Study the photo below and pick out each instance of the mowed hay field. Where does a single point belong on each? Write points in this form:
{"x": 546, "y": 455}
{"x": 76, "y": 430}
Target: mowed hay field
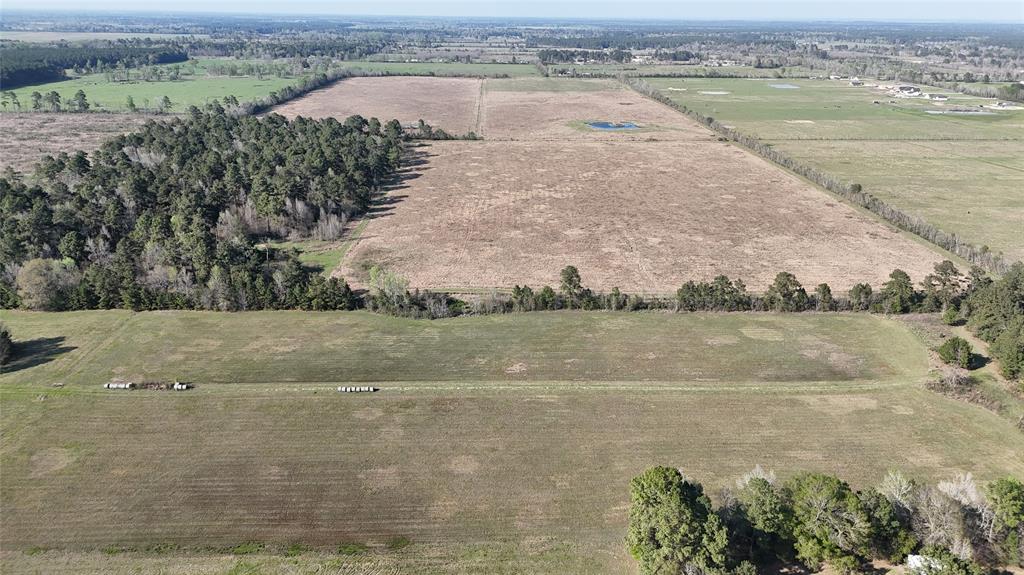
{"x": 496, "y": 444}
{"x": 448, "y": 103}
{"x": 960, "y": 172}
{"x": 643, "y": 210}
{"x": 25, "y": 138}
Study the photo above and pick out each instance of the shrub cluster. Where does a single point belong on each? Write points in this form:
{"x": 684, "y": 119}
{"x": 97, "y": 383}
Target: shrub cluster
{"x": 6, "y": 345}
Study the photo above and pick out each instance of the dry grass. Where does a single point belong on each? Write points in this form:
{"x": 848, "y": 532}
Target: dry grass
{"x": 27, "y": 137}
{"x": 448, "y": 103}
{"x": 643, "y": 216}
{"x": 554, "y": 109}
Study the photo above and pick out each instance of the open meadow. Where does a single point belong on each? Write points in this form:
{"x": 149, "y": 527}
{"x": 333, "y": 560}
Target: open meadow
{"x": 954, "y": 162}
{"x": 495, "y": 443}
{"x": 644, "y": 209}
{"x": 26, "y": 137}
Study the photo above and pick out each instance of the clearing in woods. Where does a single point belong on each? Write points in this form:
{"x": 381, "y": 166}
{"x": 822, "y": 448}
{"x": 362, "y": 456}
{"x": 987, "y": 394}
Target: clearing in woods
{"x": 201, "y": 81}
{"x": 962, "y": 172}
{"x": 496, "y": 442}
{"x": 644, "y": 210}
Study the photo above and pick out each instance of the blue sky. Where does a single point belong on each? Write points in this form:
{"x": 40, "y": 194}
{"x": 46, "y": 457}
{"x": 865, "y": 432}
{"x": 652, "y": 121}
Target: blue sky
{"x": 928, "y": 10}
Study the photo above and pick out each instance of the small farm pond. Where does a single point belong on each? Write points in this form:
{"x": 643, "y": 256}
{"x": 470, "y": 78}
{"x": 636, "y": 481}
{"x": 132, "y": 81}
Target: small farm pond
{"x": 613, "y": 125}
{"x": 785, "y": 86}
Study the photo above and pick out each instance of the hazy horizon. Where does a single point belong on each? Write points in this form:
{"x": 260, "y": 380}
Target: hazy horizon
{"x": 993, "y": 11}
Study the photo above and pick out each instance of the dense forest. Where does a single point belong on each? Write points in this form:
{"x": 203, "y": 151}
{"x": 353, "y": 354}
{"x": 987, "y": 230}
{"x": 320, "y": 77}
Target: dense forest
{"x": 177, "y": 214}
{"x": 956, "y": 527}
{"x": 26, "y": 64}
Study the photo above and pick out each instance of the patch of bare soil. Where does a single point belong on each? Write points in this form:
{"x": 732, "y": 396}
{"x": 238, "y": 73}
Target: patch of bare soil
{"x": 26, "y": 137}
{"x": 447, "y": 103}
{"x": 50, "y": 461}
{"x": 643, "y": 216}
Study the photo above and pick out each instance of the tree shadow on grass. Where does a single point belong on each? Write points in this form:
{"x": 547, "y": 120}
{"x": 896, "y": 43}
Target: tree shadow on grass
{"x": 35, "y": 352}
{"x": 414, "y": 162}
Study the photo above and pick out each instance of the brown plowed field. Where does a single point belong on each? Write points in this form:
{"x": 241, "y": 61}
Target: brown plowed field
{"x": 448, "y": 103}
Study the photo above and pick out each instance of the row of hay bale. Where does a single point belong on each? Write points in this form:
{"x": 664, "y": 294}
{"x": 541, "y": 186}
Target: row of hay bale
{"x": 177, "y": 386}
{"x": 357, "y": 389}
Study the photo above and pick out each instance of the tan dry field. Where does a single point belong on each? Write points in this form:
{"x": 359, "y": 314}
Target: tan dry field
{"x": 643, "y": 216}
{"x": 448, "y": 103}
{"x": 558, "y": 108}
{"x": 27, "y": 137}
{"x": 644, "y": 210}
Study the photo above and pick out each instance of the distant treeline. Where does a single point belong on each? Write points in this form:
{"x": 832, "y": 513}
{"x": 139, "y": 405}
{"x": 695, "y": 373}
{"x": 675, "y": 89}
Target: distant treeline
{"x": 853, "y": 192}
{"x": 348, "y": 47}
{"x": 550, "y": 56}
{"x": 22, "y": 65}
{"x": 1013, "y": 91}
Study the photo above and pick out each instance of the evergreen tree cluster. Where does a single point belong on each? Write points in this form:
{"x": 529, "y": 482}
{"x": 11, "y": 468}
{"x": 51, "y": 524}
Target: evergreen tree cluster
{"x": 178, "y": 214}
{"x": 814, "y": 519}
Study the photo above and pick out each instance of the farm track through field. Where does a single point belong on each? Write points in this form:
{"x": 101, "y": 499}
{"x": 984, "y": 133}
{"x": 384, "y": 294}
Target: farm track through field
{"x": 480, "y": 111}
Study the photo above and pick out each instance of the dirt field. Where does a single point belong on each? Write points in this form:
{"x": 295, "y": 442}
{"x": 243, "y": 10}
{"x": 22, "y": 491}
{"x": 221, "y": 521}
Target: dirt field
{"x": 25, "y": 138}
{"x": 448, "y": 103}
{"x": 643, "y": 216}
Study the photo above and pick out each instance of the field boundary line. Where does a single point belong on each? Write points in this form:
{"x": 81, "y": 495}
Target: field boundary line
{"x": 270, "y": 388}
{"x": 480, "y": 110}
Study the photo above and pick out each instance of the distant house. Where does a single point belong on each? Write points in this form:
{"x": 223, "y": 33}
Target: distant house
{"x": 938, "y": 97}
{"x": 908, "y": 90}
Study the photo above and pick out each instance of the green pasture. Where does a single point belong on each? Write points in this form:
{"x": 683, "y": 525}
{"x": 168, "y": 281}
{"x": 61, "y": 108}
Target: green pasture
{"x": 494, "y": 444}
{"x": 196, "y": 87}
